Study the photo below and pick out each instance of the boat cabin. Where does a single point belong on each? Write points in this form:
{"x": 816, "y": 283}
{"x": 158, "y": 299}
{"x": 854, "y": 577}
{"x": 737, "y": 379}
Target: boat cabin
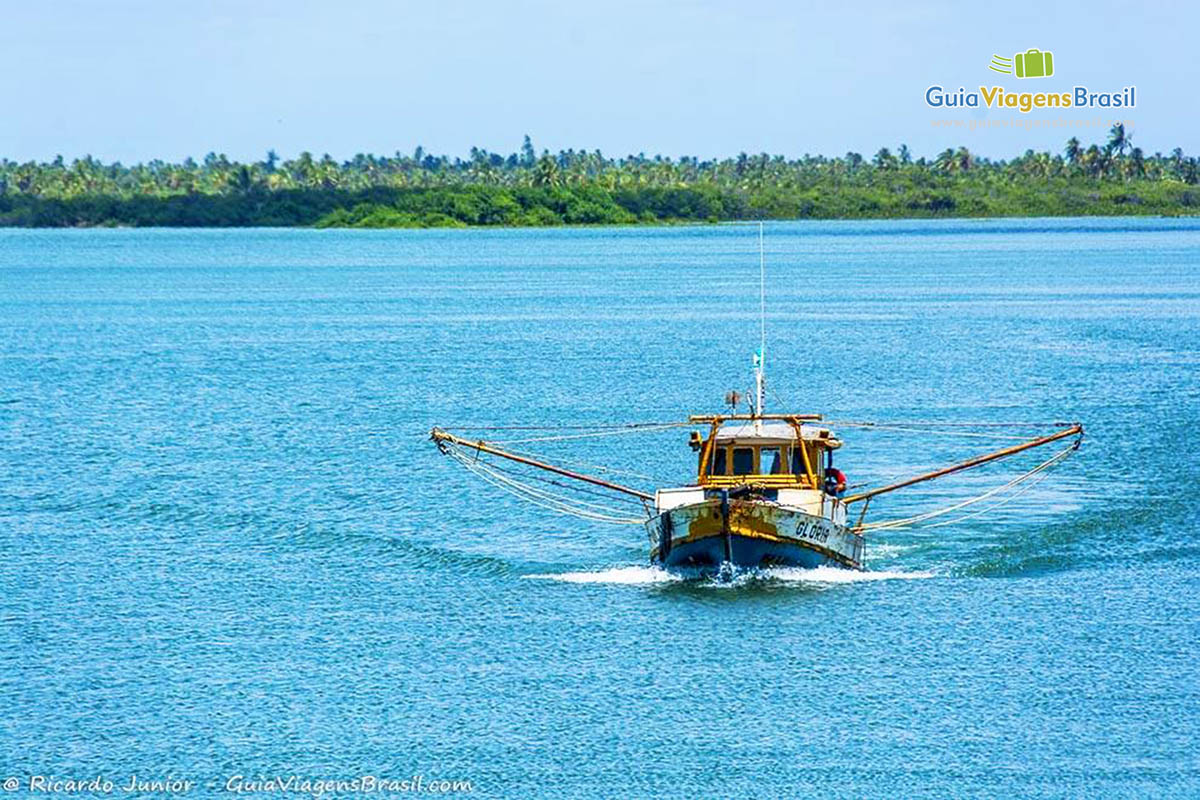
{"x": 782, "y": 458}
{"x": 776, "y": 454}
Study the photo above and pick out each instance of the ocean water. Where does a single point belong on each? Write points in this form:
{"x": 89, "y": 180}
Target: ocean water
{"x": 231, "y": 550}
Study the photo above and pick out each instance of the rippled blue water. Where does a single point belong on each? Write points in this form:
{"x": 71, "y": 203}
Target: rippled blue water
{"x": 230, "y": 549}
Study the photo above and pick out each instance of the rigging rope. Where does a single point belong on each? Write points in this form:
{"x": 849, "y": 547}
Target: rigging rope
{"x": 573, "y": 507}
{"x": 496, "y": 470}
{"x": 883, "y": 426}
{"x": 919, "y": 518}
{"x": 914, "y": 423}
{"x": 592, "y": 434}
{"x": 576, "y": 463}
{"x": 1034, "y": 481}
{"x": 545, "y": 499}
{"x": 607, "y": 495}
{"x": 606, "y": 426}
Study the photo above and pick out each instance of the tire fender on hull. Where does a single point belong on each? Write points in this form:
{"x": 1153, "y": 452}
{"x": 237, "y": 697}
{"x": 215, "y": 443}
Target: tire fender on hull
{"x": 725, "y": 533}
{"x": 665, "y": 529}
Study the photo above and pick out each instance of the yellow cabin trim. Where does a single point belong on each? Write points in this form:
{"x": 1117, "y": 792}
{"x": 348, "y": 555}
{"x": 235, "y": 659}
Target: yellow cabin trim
{"x": 795, "y": 457}
{"x": 717, "y": 464}
{"x": 766, "y": 481}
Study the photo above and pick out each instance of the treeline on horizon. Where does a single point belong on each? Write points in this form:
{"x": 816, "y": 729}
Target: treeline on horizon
{"x": 587, "y": 188}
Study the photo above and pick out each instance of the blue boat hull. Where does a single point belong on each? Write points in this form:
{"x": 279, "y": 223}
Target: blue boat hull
{"x": 745, "y": 552}
{"x": 750, "y": 535}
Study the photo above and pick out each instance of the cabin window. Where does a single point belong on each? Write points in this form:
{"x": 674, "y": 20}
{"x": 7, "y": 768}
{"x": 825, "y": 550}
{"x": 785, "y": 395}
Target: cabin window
{"x": 743, "y": 460}
{"x": 718, "y": 462}
{"x": 770, "y": 461}
{"x": 798, "y": 461}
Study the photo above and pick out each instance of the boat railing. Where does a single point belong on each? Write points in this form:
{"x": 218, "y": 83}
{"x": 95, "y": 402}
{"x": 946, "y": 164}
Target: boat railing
{"x": 783, "y": 481}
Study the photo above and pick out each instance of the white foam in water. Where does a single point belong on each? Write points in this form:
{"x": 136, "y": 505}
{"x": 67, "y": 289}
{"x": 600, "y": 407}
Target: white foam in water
{"x": 839, "y": 575}
{"x": 626, "y": 575}
{"x": 889, "y": 550}
{"x": 636, "y": 575}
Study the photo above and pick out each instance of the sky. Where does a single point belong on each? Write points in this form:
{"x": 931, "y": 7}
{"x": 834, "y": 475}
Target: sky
{"x": 132, "y": 81}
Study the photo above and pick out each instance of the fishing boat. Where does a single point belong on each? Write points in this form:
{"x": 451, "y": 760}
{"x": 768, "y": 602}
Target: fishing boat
{"x": 766, "y": 492}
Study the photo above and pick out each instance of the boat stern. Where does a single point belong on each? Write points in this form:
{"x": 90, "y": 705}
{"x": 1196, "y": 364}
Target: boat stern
{"x": 751, "y": 533}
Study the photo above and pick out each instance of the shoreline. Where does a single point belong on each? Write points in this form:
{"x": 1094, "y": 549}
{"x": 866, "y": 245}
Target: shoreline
{"x": 604, "y": 225}
{"x": 663, "y": 223}
{"x": 588, "y": 189}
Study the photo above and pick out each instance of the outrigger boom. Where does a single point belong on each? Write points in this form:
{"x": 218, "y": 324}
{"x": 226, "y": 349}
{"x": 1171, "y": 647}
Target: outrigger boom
{"x": 440, "y": 436}
{"x": 1077, "y": 428}
{"x": 783, "y": 417}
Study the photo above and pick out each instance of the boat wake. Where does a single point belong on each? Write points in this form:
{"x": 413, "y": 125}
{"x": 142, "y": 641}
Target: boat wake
{"x": 632, "y": 576}
{"x": 646, "y": 575}
{"x": 838, "y": 575}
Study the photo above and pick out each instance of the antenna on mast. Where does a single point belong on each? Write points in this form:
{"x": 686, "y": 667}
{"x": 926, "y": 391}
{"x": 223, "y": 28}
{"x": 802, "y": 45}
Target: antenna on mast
{"x": 760, "y": 360}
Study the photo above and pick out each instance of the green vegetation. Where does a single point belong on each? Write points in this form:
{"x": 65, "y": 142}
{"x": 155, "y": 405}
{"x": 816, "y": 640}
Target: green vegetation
{"x": 582, "y": 188}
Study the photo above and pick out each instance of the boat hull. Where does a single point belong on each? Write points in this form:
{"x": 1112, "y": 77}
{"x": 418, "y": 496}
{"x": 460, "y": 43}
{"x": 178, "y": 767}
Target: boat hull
{"x": 750, "y": 535}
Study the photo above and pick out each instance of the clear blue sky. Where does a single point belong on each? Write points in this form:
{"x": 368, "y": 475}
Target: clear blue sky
{"x": 133, "y": 80}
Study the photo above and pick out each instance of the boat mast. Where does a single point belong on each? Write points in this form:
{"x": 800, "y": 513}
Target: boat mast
{"x": 760, "y": 361}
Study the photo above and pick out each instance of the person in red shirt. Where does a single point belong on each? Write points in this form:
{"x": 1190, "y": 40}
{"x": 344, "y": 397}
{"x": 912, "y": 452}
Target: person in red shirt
{"x": 835, "y": 481}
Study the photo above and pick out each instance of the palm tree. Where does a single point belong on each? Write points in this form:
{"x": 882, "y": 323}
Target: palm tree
{"x": 1118, "y": 140}
{"x": 1039, "y": 164}
{"x": 242, "y": 180}
{"x": 964, "y": 158}
{"x": 1177, "y": 163}
{"x": 1137, "y": 163}
{"x": 1073, "y": 151}
{"x": 546, "y": 172}
{"x": 302, "y": 169}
